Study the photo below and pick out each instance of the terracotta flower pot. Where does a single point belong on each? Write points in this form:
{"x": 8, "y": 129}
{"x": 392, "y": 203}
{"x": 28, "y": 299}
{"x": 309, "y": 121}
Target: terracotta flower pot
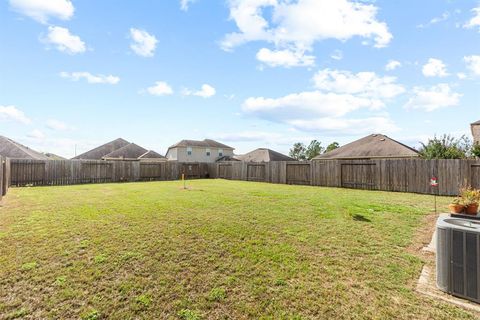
{"x": 456, "y": 208}
{"x": 472, "y": 208}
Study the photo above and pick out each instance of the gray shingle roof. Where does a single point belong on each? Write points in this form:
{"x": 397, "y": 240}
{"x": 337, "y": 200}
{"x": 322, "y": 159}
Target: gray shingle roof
{"x": 130, "y": 151}
{"x": 476, "y": 122}
{"x": 372, "y": 146}
{"x": 263, "y": 155}
{"x": 53, "y": 156}
{"x": 151, "y": 155}
{"x": 99, "y": 152}
{"x": 227, "y": 158}
{"x": 207, "y": 143}
{"x": 15, "y": 150}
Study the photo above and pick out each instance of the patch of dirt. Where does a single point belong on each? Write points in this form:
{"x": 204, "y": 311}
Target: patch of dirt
{"x": 423, "y": 235}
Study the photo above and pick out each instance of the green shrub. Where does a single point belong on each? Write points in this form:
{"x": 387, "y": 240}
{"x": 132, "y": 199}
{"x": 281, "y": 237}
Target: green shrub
{"x": 446, "y": 147}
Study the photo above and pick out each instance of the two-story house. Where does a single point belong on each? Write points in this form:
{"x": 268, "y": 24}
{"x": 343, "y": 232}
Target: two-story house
{"x": 476, "y": 131}
{"x": 198, "y": 151}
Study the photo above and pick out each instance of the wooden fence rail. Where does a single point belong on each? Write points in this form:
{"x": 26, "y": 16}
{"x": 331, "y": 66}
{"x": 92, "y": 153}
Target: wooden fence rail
{"x": 388, "y": 175}
{"x": 66, "y": 172}
{"x": 4, "y": 176}
{"x": 409, "y": 175}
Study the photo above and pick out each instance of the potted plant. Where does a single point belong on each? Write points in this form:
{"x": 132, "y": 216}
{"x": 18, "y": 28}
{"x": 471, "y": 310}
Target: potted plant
{"x": 471, "y": 198}
{"x": 471, "y": 207}
{"x": 457, "y": 205}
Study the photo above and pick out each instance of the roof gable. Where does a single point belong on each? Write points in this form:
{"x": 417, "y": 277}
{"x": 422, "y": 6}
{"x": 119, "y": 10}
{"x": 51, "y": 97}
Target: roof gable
{"x": 206, "y": 143}
{"x": 150, "y": 154}
{"x": 15, "y": 150}
{"x": 372, "y": 146}
{"x": 264, "y": 155}
{"x": 130, "y": 151}
{"x": 99, "y": 152}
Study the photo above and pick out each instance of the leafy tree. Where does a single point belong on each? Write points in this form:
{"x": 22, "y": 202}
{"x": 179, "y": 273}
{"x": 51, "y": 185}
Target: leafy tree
{"x": 313, "y": 149}
{"x": 297, "y": 152}
{"x": 476, "y": 150}
{"x": 446, "y": 147}
{"x": 332, "y": 146}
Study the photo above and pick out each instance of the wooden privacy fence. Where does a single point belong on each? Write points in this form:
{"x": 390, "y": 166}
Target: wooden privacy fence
{"x": 4, "y": 176}
{"x": 408, "y": 175}
{"x": 66, "y": 172}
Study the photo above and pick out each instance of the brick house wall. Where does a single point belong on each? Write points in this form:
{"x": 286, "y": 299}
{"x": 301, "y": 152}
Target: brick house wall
{"x": 476, "y": 132}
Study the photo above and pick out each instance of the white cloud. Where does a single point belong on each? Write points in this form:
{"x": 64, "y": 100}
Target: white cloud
{"x": 298, "y": 25}
{"x": 461, "y": 75}
{"x": 64, "y": 41}
{"x": 284, "y": 58}
{"x": 207, "y": 91}
{"x": 392, "y": 65}
{"x": 347, "y": 126}
{"x": 444, "y": 17}
{"x": 317, "y": 111}
{"x": 434, "y": 68}
{"x": 11, "y": 113}
{"x": 42, "y": 10}
{"x": 249, "y": 136}
{"x": 337, "y": 55}
{"x": 362, "y": 84}
{"x": 185, "y": 4}
{"x": 433, "y": 98}
{"x": 473, "y": 64}
{"x": 36, "y": 134}
{"x": 475, "y": 20}
{"x": 306, "y": 104}
{"x": 160, "y": 88}
{"x": 143, "y": 44}
{"x": 57, "y": 125}
{"x": 329, "y": 108}
{"x": 100, "y": 78}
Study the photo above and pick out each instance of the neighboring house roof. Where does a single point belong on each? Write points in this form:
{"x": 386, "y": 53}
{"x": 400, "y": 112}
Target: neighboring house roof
{"x": 15, "y": 150}
{"x": 151, "y": 155}
{"x": 263, "y": 155}
{"x": 130, "y": 151}
{"x": 52, "y": 156}
{"x": 99, "y": 152}
{"x": 476, "y": 123}
{"x": 207, "y": 143}
{"x": 227, "y": 158}
{"x": 372, "y": 146}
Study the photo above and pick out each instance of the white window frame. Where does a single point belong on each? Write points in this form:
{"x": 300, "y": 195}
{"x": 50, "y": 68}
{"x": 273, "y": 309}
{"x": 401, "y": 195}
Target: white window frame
{"x": 189, "y": 151}
{"x": 220, "y": 152}
{"x": 208, "y": 152}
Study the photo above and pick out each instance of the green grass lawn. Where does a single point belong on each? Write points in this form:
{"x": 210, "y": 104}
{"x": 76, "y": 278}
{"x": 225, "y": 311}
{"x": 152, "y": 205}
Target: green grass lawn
{"x": 221, "y": 250}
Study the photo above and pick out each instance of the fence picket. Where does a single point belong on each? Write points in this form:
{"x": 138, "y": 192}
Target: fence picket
{"x": 410, "y": 175}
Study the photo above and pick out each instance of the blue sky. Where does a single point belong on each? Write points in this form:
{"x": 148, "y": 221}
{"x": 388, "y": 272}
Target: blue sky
{"x": 263, "y": 73}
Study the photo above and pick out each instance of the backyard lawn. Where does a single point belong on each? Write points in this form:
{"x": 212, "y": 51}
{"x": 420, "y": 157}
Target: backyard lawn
{"x": 220, "y": 250}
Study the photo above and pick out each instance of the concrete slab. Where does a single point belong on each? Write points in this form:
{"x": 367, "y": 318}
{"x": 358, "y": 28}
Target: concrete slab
{"x": 427, "y": 281}
{"x": 426, "y": 285}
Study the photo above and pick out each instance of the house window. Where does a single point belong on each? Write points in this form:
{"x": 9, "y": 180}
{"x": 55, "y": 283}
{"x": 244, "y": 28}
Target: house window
{"x": 208, "y": 152}
{"x": 220, "y": 152}
{"x": 189, "y": 151}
